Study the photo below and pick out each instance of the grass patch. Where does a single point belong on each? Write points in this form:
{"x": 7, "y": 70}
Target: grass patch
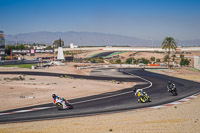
{"x": 193, "y": 69}
{"x": 31, "y": 78}
{"x": 20, "y": 65}
{"x": 115, "y": 53}
{"x": 11, "y": 88}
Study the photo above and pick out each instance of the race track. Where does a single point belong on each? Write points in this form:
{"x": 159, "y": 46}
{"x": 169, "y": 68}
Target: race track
{"x": 154, "y": 84}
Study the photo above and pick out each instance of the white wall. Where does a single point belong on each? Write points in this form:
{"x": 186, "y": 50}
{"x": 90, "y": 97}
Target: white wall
{"x": 132, "y": 49}
{"x": 197, "y": 62}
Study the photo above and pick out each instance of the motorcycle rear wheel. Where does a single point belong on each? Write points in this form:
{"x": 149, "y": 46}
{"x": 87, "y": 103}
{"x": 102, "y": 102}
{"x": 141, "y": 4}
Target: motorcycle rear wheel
{"x": 60, "y": 107}
{"x": 174, "y": 93}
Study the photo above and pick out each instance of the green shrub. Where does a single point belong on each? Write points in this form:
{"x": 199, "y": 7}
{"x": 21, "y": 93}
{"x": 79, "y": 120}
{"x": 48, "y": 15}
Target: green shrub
{"x": 181, "y": 56}
{"x": 118, "y": 61}
{"x": 166, "y": 58}
{"x": 111, "y": 61}
{"x": 130, "y": 61}
{"x": 173, "y": 57}
{"x": 170, "y": 66}
{"x": 157, "y": 60}
{"x": 184, "y": 62}
{"x": 143, "y": 60}
{"x": 152, "y": 58}
{"x": 95, "y": 60}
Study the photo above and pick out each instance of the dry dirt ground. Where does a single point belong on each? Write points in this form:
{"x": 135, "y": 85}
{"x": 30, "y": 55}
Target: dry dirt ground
{"x": 183, "y": 118}
{"x": 38, "y": 89}
{"x": 157, "y": 55}
{"x": 184, "y": 73}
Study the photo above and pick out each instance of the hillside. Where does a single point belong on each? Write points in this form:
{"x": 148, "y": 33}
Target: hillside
{"x": 88, "y": 39}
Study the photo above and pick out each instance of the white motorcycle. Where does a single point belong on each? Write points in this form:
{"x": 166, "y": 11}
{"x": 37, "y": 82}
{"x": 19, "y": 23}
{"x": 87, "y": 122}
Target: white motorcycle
{"x": 62, "y": 103}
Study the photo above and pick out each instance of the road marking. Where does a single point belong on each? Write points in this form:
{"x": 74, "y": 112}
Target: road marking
{"x": 176, "y": 102}
{"x": 41, "y": 108}
{"x": 27, "y": 110}
{"x": 142, "y": 79}
{"x": 154, "y": 107}
{"x": 119, "y": 93}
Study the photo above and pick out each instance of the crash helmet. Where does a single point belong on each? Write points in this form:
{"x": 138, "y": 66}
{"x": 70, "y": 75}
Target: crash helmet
{"x": 141, "y": 90}
{"x": 54, "y": 95}
{"x": 169, "y": 82}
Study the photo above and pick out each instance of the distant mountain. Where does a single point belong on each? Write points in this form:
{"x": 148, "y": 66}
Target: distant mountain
{"x": 86, "y": 39}
{"x": 195, "y": 42}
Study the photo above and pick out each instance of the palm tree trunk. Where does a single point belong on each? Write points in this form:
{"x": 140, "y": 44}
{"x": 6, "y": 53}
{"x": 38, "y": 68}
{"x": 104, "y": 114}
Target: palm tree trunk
{"x": 168, "y": 56}
{"x": 168, "y": 60}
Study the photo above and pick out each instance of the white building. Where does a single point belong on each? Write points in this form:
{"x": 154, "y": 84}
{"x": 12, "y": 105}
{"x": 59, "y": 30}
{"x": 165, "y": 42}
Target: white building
{"x": 197, "y": 62}
{"x": 41, "y": 46}
{"x": 73, "y": 46}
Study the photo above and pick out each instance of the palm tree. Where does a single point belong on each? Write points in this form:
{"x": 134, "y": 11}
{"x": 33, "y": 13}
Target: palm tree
{"x": 153, "y": 59}
{"x": 169, "y": 44}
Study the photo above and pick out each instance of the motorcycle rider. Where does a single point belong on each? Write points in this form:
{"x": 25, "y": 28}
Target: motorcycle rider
{"x": 55, "y": 97}
{"x": 170, "y": 86}
{"x": 137, "y": 91}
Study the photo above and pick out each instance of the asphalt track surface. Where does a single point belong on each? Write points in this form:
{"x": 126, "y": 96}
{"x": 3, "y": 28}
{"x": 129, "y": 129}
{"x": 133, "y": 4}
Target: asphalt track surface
{"x": 103, "y": 54}
{"x": 118, "y": 101}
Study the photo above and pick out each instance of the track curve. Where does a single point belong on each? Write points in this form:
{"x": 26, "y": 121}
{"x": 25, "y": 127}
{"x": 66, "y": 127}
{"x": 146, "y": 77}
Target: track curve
{"x": 107, "y": 102}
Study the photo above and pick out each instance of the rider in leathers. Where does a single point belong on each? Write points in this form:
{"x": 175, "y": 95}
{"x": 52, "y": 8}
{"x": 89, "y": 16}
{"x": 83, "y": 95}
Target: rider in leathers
{"x": 137, "y": 91}
{"x": 170, "y": 86}
{"x": 55, "y": 98}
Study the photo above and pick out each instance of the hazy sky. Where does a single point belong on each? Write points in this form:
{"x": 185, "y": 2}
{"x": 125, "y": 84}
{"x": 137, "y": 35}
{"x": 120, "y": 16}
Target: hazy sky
{"x": 146, "y": 19}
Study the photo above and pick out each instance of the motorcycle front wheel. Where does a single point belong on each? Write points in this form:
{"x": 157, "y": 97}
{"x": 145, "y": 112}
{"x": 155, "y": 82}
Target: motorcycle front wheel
{"x": 149, "y": 99}
{"x": 70, "y": 106}
{"x": 142, "y": 100}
